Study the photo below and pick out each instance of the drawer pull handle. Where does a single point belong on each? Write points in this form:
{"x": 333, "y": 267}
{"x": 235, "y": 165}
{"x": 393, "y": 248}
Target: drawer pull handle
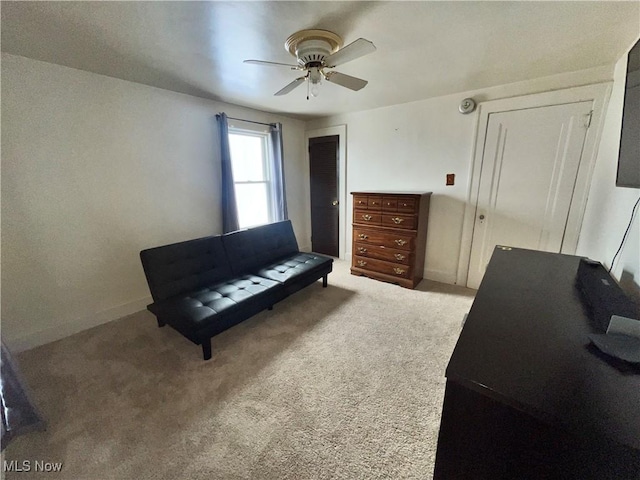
{"x": 374, "y": 203}
{"x": 399, "y": 256}
{"x": 361, "y": 263}
{"x": 388, "y": 204}
{"x": 399, "y": 271}
{"x": 362, "y": 250}
{"x": 401, "y": 242}
{"x": 360, "y": 202}
{"x": 362, "y": 236}
{"x": 397, "y": 220}
{"x": 367, "y": 217}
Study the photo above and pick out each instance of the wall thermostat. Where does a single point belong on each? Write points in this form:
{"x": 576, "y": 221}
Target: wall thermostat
{"x": 467, "y": 105}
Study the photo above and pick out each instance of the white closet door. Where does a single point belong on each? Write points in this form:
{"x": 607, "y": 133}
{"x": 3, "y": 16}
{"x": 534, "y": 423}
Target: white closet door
{"x": 529, "y": 168}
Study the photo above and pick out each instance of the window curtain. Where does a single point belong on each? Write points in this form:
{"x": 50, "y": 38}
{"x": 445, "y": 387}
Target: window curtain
{"x": 19, "y": 415}
{"x": 229, "y": 206}
{"x": 277, "y": 173}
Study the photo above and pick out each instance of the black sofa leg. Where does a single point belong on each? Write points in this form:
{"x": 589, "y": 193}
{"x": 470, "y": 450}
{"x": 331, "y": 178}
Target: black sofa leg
{"x": 324, "y": 281}
{"x": 206, "y": 349}
{"x": 161, "y": 323}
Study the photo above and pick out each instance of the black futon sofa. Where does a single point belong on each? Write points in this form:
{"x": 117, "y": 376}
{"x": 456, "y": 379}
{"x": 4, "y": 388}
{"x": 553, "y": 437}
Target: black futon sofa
{"x": 202, "y": 287}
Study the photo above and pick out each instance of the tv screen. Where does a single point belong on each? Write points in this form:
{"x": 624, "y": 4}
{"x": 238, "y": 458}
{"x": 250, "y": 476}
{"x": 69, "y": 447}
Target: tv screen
{"x": 629, "y": 157}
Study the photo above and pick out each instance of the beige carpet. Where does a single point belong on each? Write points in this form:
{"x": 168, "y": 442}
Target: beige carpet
{"x": 344, "y": 382}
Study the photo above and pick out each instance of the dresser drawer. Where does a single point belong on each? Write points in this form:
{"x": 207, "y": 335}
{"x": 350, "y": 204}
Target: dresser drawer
{"x": 383, "y": 253}
{"x": 367, "y": 217}
{"x": 360, "y": 202}
{"x": 397, "y": 270}
{"x": 384, "y": 239}
{"x": 374, "y": 202}
{"x": 389, "y": 204}
{"x": 407, "y": 205}
{"x": 399, "y": 220}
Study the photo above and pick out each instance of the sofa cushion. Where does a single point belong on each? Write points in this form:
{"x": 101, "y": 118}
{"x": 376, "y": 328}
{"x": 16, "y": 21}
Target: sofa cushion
{"x": 249, "y": 250}
{"x": 287, "y": 270}
{"x": 183, "y": 267}
{"x": 198, "y": 307}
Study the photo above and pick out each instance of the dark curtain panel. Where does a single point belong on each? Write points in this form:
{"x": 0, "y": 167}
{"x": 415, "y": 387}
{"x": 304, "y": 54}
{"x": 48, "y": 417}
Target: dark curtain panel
{"x": 277, "y": 172}
{"x": 229, "y": 206}
{"x": 19, "y": 415}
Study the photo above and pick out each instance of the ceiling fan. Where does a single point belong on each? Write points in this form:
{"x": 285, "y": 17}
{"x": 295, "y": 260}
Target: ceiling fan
{"x": 316, "y": 51}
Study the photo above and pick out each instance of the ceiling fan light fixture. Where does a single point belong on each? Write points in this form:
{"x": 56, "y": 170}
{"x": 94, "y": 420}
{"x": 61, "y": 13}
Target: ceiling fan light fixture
{"x": 315, "y": 79}
{"x": 317, "y": 50}
{"x": 315, "y": 75}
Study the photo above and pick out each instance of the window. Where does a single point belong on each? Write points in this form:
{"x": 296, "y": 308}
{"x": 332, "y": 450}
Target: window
{"x": 251, "y": 176}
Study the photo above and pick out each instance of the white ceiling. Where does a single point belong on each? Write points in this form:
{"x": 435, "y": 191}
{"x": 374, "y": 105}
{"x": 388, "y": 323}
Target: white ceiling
{"x": 424, "y": 49}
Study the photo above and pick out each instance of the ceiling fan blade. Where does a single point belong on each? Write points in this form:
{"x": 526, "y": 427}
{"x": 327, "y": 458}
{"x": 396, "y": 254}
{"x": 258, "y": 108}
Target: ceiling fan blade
{"x": 344, "y": 80}
{"x": 350, "y": 52}
{"x": 271, "y": 64}
{"x": 290, "y": 87}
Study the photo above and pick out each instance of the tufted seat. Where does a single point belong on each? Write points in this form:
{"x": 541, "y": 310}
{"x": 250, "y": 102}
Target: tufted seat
{"x": 202, "y": 305}
{"x": 205, "y": 302}
{"x": 289, "y": 270}
{"x": 202, "y": 287}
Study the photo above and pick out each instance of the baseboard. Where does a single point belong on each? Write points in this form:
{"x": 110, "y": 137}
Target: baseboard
{"x": 440, "y": 276}
{"x": 65, "y": 329}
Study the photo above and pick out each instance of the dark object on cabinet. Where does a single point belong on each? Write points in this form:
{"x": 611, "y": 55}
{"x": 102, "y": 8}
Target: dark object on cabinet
{"x": 602, "y": 295}
{"x": 526, "y": 397}
{"x": 202, "y": 287}
{"x": 390, "y": 236}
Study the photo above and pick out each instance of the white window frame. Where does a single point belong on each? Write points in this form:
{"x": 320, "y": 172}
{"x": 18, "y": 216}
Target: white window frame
{"x": 262, "y": 133}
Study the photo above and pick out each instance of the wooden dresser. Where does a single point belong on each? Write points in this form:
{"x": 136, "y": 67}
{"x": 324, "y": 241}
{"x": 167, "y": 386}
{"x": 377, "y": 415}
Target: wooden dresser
{"x": 390, "y": 236}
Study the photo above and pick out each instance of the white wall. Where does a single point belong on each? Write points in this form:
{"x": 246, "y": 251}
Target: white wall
{"x": 95, "y": 169}
{"x": 609, "y": 207}
{"x": 414, "y": 145}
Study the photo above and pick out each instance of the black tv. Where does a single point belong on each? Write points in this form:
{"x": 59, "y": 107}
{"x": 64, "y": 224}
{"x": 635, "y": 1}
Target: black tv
{"x": 629, "y": 155}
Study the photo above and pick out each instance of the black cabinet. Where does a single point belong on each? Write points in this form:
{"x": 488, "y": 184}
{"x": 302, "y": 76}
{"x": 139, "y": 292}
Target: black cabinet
{"x": 527, "y": 396}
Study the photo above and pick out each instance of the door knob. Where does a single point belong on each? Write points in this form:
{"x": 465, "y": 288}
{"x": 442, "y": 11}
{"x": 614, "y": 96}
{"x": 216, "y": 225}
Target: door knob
{"x": 335, "y": 202}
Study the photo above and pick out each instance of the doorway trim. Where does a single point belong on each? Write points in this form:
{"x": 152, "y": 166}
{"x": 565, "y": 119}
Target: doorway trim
{"x": 599, "y": 95}
{"x": 341, "y": 131}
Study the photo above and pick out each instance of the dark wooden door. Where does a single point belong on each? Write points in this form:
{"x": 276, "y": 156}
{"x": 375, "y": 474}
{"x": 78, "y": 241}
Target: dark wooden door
{"x": 323, "y": 171}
